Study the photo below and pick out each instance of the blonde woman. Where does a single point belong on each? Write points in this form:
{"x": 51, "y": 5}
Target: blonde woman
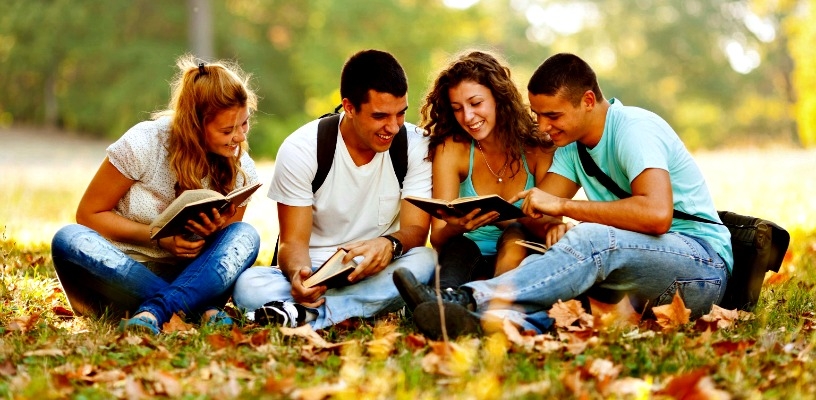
{"x": 107, "y": 262}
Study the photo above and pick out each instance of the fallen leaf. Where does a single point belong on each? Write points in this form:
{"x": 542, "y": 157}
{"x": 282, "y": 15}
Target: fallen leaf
{"x": 45, "y": 353}
{"x": 7, "y": 368}
{"x": 620, "y": 315}
{"x": 217, "y": 341}
{"x": 415, "y": 342}
{"x": 306, "y": 332}
{"x": 692, "y": 386}
{"x": 62, "y": 312}
{"x": 629, "y": 388}
{"x": 319, "y": 392}
{"x": 176, "y": 324}
{"x": 166, "y": 383}
{"x": 671, "y": 316}
{"x": 776, "y": 278}
{"x": 565, "y": 313}
{"x": 719, "y": 318}
{"x": 450, "y": 358}
{"x": 385, "y": 337}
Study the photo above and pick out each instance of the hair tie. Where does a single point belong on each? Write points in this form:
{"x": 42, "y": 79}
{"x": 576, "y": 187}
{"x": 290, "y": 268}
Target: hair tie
{"x": 201, "y": 69}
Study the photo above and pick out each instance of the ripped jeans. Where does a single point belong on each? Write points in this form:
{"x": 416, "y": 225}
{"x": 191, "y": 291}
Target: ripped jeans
{"x": 97, "y": 277}
{"x": 605, "y": 263}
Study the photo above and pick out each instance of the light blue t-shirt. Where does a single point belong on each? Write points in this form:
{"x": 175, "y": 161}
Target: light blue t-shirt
{"x": 486, "y": 237}
{"x": 633, "y": 140}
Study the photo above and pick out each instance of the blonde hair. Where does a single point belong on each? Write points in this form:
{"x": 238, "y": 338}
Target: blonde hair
{"x": 198, "y": 93}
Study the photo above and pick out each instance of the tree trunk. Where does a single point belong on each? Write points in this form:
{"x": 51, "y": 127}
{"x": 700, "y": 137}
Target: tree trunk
{"x": 200, "y": 29}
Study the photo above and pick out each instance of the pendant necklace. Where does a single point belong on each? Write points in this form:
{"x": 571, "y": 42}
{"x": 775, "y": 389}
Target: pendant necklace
{"x": 501, "y": 171}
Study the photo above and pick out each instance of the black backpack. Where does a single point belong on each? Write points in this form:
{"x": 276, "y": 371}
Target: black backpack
{"x": 327, "y": 143}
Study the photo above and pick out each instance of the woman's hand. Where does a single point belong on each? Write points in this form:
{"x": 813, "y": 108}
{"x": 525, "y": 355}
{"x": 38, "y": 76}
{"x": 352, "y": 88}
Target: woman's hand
{"x": 207, "y": 225}
{"x": 181, "y": 246}
{"x": 468, "y": 222}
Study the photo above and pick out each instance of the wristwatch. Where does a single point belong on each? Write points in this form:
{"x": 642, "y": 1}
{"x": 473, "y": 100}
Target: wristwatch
{"x": 396, "y": 251}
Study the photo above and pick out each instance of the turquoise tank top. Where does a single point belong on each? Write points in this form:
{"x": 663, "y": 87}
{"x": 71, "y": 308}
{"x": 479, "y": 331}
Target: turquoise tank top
{"x": 487, "y": 236}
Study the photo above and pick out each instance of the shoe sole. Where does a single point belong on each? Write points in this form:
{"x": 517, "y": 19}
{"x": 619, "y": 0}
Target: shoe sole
{"x": 458, "y": 320}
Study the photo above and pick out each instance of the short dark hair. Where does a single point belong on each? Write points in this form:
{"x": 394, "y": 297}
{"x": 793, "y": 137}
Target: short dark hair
{"x": 371, "y": 69}
{"x": 565, "y": 74}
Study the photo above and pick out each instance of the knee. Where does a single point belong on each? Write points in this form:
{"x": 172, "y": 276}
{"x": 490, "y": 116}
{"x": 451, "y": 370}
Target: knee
{"x": 64, "y": 239}
{"x": 251, "y": 285}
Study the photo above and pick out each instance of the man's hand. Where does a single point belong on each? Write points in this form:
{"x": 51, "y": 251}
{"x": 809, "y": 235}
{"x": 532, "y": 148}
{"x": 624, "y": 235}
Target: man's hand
{"x": 538, "y": 203}
{"x": 308, "y": 297}
{"x": 376, "y": 254}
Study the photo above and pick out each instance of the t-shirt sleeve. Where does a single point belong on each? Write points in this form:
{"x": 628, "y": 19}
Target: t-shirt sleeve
{"x": 417, "y": 180}
{"x": 248, "y": 166}
{"x": 641, "y": 148}
{"x": 134, "y": 154}
{"x": 295, "y": 167}
{"x": 564, "y": 162}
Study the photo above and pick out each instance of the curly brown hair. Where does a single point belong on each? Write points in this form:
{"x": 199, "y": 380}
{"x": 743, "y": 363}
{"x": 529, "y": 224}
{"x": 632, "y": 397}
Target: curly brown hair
{"x": 199, "y": 93}
{"x": 515, "y": 126}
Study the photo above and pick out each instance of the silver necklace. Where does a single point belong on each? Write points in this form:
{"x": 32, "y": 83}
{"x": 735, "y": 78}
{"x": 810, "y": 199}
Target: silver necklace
{"x": 501, "y": 171}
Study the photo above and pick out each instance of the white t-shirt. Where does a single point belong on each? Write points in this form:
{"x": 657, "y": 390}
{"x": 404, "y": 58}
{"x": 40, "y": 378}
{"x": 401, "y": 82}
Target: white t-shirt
{"x": 141, "y": 155}
{"x": 355, "y": 202}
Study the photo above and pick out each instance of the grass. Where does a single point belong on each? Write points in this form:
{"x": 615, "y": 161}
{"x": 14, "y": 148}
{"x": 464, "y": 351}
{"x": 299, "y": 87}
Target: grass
{"x": 46, "y": 355}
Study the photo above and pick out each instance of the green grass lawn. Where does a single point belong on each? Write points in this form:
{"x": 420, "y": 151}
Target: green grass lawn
{"x": 45, "y": 353}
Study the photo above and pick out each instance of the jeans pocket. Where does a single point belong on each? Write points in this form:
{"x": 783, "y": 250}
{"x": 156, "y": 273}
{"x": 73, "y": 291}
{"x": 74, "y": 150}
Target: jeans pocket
{"x": 698, "y": 294}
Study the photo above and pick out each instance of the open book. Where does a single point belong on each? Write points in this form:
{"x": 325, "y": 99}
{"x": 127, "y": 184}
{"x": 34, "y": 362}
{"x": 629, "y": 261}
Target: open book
{"x": 191, "y": 203}
{"x": 464, "y": 205}
{"x": 332, "y": 273}
{"x": 539, "y": 247}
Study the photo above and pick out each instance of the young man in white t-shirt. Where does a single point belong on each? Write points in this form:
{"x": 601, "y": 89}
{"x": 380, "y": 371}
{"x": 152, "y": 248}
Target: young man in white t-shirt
{"x": 359, "y": 207}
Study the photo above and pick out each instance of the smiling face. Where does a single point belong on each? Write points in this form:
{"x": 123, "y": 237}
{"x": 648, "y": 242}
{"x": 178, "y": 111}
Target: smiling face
{"x": 374, "y": 124}
{"x": 224, "y": 133}
{"x": 559, "y": 118}
{"x": 474, "y": 108}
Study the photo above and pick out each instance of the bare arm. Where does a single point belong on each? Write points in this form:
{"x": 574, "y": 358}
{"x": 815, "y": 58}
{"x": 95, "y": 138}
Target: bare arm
{"x": 293, "y": 253}
{"x": 648, "y": 211}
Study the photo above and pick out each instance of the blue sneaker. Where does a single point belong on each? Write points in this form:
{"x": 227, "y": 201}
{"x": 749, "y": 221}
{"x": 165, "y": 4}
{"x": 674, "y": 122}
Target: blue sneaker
{"x": 140, "y": 324}
{"x": 220, "y": 319}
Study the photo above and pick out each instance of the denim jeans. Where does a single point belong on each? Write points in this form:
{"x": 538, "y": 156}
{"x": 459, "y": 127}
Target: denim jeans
{"x": 367, "y": 298}
{"x": 461, "y": 261}
{"x": 602, "y": 259}
{"x": 96, "y": 276}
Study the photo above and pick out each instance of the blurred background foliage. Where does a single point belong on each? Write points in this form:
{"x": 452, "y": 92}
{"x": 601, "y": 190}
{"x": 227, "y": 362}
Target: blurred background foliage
{"x": 724, "y": 73}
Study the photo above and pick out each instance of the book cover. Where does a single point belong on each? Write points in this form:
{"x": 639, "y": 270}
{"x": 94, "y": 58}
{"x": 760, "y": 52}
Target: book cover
{"x": 332, "y": 273}
{"x": 465, "y": 205}
{"x": 191, "y": 203}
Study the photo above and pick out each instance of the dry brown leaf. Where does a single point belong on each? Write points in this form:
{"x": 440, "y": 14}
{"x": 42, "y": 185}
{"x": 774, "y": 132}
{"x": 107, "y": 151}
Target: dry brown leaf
{"x": 727, "y": 346}
{"x": 176, "y": 324}
{"x": 385, "y": 338}
{"x": 415, "y": 342}
{"x": 62, "y": 312}
{"x": 620, "y": 315}
{"x": 720, "y": 318}
{"x": 306, "y": 332}
{"x": 450, "y": 359}
{"x": 695, "y": 385}
{"x": 7, "y": 368}
{"x": 671, "y": 316}
{"x": 23, "y": 323}
{"x": 565, "y": 313}
{"x": 217, "y": 341}
{"x": 45, "y": 353}
{"x": 166, "y": 383}
{"x": 776, "y": 278}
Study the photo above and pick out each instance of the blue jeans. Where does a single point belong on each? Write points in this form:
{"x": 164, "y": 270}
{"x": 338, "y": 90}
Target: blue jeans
{"x": 599, "y": 259}
{"x": 97, "y": 277}
{"x": 367, "y": 298}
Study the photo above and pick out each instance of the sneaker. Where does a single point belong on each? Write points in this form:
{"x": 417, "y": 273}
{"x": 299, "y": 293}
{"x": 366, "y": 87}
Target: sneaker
{"x": 415, "y": 293}
{"x": 282, "y": 313}
{"x": 219, "y": 319}
{"x": 459, "y": 321}
{"x": 140, "y": 324}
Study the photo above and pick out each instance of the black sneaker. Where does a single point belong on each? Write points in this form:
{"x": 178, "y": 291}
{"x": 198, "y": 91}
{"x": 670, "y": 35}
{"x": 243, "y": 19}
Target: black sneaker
{"x": 283, "y": 313}
{"x": 459, "y": 321}
{"x": 415, "y": 293}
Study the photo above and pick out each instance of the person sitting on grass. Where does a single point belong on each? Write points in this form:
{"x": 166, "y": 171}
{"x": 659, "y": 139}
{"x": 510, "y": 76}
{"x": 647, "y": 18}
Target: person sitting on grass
{"x": 108, "y": 262}
{"x": 360, "y": 206}
{"x": 624, "y": 246}
{"x": 483, "y": 140}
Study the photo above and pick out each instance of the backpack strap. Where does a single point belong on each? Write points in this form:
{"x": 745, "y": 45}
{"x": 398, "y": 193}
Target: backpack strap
{"x": 327, "y": 143}
{"x": 592, "y": 169}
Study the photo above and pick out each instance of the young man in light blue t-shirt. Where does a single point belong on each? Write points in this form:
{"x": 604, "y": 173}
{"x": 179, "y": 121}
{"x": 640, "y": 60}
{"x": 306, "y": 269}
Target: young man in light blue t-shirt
{"x": 631, "y": 246}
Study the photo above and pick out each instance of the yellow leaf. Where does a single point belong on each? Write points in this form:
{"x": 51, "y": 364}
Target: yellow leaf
{"x": 620, "y": 315}
{"x": 671, "y": 316}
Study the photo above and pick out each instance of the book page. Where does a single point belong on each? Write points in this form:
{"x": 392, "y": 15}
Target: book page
{"x": 539, "y": 247}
